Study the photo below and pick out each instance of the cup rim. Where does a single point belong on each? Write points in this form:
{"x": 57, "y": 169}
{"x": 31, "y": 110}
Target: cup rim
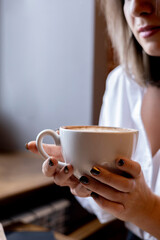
{"x": 75, "y": 129}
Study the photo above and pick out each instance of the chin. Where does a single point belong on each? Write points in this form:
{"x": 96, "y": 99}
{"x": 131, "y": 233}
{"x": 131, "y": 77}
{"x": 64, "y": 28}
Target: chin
{"x": 153, "y": 54}
{"x": 152, "y": 50}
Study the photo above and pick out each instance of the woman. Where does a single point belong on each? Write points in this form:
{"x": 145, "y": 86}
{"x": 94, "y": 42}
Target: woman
{"x": 132, "y": 99}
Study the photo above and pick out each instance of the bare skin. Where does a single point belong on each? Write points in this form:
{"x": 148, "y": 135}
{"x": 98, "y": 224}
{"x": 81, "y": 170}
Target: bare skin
{"x": 60, "y": 178}
{"x": 141, "y": 14}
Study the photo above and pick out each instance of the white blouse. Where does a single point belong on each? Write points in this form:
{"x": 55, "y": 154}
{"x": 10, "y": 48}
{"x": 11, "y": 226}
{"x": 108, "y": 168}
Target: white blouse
{"x": 122, "y": 108}
{"x": 2, "y": 235}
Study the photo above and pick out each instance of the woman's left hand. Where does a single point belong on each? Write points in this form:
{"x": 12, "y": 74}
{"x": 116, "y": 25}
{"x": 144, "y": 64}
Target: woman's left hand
{"x": 127, "y": 198}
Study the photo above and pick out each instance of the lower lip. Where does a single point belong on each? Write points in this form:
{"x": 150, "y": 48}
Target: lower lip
{"x": 149, "y": 33}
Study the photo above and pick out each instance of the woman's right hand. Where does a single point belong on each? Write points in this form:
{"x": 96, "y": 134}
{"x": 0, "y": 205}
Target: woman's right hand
{"x": 61, "y": 177}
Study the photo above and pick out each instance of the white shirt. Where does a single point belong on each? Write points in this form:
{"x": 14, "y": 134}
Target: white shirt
{"x": 122, "y": 108}
{"x": 2, "y": 235}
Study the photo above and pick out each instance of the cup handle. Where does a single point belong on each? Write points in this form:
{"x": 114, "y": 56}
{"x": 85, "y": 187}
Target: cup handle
{"x": 39, "y": 141}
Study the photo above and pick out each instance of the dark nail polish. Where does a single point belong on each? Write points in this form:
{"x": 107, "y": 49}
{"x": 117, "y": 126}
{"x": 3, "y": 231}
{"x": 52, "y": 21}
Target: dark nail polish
{"x": 50, "y": 163}
{"x": 26, "y": 146}
{"x": 121, "y": 162}
{"x": 84, "y": 180}
{"x": 95, "y": 171}
{"x": 94, "y": 195}
{"x": 66, "y": 170}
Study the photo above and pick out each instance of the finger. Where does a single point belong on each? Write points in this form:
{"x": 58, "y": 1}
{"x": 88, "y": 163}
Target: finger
{"x": 64, "y": 177}
{"x": 113, "y": 208}
{"x": 49, "y": 167}
{"x": 102, "y": 189}
{"x": 129, "y": 166}
{"x": 31, "y": 146}
{"x": 57, "y": 131}
{"x": 50, "y": 149}
{"x": 80, "y": 191}
{"x": 116, "y": 181}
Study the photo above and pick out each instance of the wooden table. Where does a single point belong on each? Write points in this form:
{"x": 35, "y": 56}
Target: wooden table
{"x": 20, "y": 227}
{"x": 21, "y": 172}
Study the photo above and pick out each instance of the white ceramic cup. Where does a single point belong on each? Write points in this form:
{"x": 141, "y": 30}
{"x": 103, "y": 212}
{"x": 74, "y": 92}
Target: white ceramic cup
{"x": 86, "y": 146}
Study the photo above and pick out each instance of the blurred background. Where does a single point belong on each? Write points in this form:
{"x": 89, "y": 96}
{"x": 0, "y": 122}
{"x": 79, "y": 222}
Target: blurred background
{"x": 53, "y": 56}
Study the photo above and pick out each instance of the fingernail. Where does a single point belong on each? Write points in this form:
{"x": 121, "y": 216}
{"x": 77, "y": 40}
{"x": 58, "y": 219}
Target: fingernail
{"x": 84, "y": 180}
{"x": 94, "y": 195}
{"x": 121, "y": 162}
{"x": 95, "y": 171}
{"x": 50, "y": 163}
{"x": 66, "y": 170}
{"x": 26, "y": 146}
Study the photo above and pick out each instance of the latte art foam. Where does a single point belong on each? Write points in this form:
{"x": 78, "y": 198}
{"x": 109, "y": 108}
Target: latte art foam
{"x": 97, "y": 129}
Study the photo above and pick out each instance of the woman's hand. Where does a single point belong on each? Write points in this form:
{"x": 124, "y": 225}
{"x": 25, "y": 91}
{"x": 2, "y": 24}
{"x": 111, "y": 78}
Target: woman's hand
{"x": 127, "y": 198}
{"x": 61, "y": 177}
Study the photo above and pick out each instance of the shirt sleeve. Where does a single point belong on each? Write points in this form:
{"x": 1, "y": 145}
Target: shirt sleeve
{"x": 115, "y": 110}
{"x": 2, "y": 235}
{"x": 92, "y": 207}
